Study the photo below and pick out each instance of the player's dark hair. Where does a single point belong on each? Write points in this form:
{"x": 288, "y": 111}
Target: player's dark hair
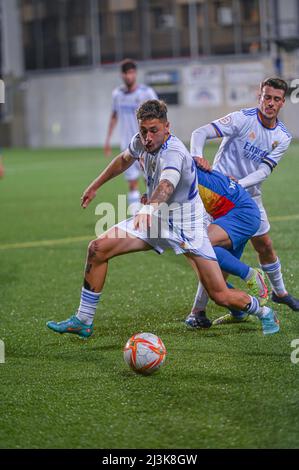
{"x": 152, "y": 109}
{"x": 276, "y": 83}
{"x": 127, "y": 64}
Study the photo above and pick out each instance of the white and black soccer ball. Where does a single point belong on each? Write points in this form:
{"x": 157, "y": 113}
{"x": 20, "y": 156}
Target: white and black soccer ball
{"x": 144, "y": 353}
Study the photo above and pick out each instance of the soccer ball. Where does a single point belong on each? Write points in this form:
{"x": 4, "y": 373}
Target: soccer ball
{"x": 144, "y": 353}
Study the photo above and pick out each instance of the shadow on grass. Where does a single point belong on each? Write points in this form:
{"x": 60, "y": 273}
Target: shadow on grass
{"x": 224, "y": 330}
{"x": 215, "y": 379}
{"x": 130, "y": 374}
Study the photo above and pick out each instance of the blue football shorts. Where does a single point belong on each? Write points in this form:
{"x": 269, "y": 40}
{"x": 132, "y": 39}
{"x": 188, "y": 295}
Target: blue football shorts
{"x": 241, "y": 223}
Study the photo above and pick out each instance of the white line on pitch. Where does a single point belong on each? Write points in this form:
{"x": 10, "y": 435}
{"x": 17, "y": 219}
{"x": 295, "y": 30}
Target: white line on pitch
{"x": 68, "y": 240}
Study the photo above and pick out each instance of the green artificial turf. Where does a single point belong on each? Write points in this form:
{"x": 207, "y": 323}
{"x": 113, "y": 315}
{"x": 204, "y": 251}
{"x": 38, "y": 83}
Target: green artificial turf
{"x": 227, "y": 387}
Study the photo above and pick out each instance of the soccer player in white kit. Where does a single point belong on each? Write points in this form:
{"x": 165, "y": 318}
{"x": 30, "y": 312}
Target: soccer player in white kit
{"x": 254, "y": 141}
{"x": 125, "y": 101}
{"x": 172, "y": 181}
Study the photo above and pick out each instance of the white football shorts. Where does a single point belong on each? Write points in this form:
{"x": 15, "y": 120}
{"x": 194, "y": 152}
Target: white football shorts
{"x": 195, "y": 241}
{"x": 265, "y": 224}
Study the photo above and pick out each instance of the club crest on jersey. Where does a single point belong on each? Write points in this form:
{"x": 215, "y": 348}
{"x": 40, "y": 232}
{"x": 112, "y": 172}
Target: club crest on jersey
{"x": 226, "y": 120}
{"x": 252, "y": 135}
{"x": 275, "y": 144}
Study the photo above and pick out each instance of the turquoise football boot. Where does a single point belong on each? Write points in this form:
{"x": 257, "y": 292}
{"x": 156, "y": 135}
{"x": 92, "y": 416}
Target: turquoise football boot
{"x": 270, "y": 323}
{"x": 71, "y": 325}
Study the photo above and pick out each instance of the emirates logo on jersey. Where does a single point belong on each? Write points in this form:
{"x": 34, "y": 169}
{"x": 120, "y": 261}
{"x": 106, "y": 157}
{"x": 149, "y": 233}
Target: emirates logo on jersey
{"x": 275, "y": 144}
{"x": 252, "y": 135}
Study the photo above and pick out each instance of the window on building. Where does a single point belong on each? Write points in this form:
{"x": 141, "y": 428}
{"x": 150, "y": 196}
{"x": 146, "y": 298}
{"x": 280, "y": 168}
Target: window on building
{"x": 250, "y": 10}
{"x": 221, "y": 27}
{"x": 58, "y": 33}
{"x": 250, "y": 26}
{"x": 78, "y": 32}
{"x": 127, "y": 21}
{"x": 163, "y": 27}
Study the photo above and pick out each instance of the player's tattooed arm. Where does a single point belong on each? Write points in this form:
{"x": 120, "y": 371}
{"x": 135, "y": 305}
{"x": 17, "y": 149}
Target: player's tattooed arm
{"x": 162, "y": 192}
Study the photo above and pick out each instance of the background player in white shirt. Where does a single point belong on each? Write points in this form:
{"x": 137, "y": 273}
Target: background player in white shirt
{"x": 125, "y": 101}
{"x": 172, "y": 179}
{"x": 254, "y": 141}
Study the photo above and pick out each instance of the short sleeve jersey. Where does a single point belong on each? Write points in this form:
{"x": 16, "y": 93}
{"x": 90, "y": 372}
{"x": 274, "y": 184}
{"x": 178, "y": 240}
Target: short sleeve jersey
{"x": 125, "y": 104}
{"x": 172, "y": 155}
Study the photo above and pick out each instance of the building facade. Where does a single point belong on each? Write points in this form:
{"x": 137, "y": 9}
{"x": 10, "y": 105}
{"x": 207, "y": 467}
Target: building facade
{"x": 68, "y": 33}
{"x": 59, "y": 61}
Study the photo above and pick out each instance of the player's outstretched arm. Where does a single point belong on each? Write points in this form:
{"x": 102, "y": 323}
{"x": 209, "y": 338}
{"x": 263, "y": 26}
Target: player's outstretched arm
{"x": 118, "y": 165}
{"x": 199, "y": 137}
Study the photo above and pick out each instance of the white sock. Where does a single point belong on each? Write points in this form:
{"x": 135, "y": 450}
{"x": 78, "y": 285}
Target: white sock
{"x": 133, "y": 196}
{"x": 273, "y": 271}
{"x": 201, "y": 299}
{"x": 134, "y": 202}
{"x": 264, "y": 310}
{"x": 88, "y": 305}
{"x": 254, "y": 308}
{"x": 251, "y": 272}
